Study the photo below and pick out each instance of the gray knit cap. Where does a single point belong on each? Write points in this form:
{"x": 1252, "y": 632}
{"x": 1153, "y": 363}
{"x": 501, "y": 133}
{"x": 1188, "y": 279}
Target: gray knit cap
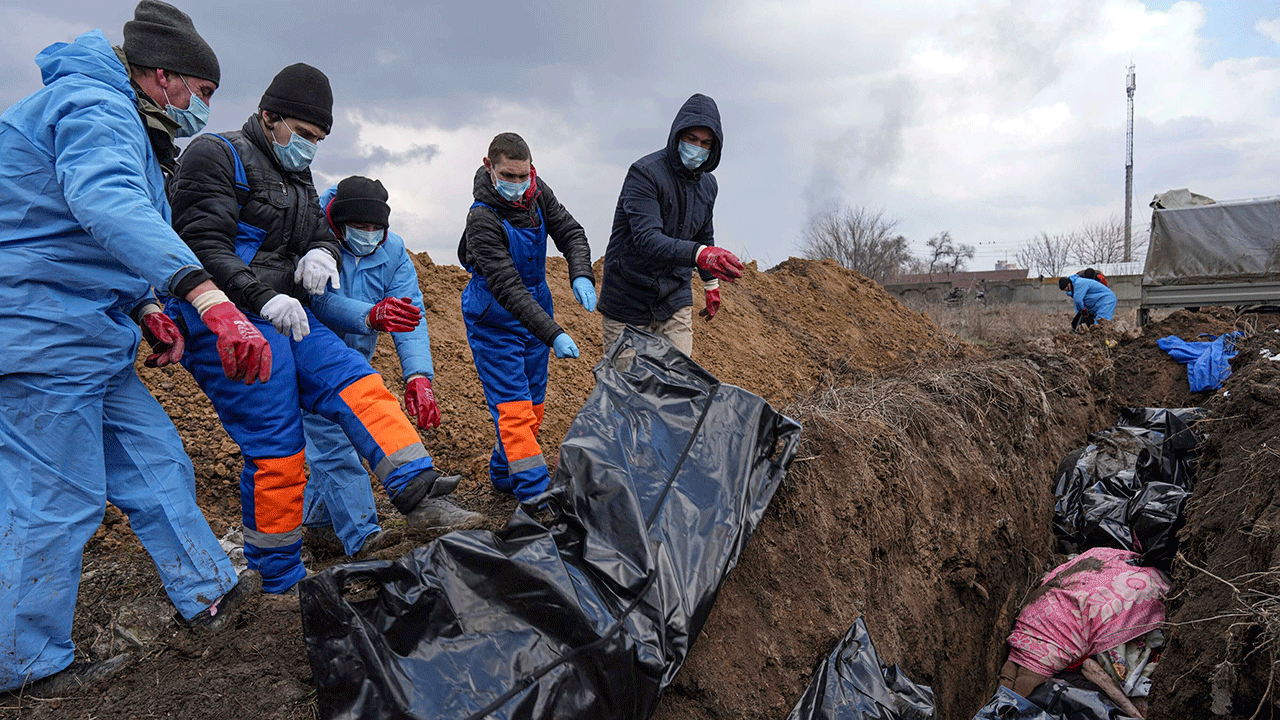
{"x": 162, "y": 36}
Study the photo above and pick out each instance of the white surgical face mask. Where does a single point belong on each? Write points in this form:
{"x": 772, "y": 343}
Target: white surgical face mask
{"x": 363, "y": 242}
{"x": 297, "y": 155}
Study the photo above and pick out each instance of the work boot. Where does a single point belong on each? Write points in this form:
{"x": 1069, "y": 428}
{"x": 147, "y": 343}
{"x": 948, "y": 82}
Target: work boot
{"x": 323, "y": 538}
{"x": 225, "y": 609}
{"x": 440, "y": 514}
{"x": 379, "y": 540}
{"x": 75, "y": 676}
{"x": 428, "y": 483}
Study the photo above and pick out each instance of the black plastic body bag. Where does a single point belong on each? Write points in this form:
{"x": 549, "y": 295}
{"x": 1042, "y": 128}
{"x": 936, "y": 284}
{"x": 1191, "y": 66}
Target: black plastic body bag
{"x": 1127, "y": 488}
{"x": 662, "y": 478}
{"x": 854, "y": 684}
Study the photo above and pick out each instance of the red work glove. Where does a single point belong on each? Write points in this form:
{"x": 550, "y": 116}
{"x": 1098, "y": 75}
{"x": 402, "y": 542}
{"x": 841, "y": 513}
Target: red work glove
{"x": 720, "y": 263}
{"x": 244, "y": 352}
{"x": 713, "y": 304}
{"x": 394, "y": 315}
{"x": 164, "y": 338}
{"x": 420, "y": 402}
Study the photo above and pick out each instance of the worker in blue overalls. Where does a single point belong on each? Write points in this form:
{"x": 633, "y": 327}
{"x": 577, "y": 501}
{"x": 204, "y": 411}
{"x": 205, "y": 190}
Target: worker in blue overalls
{"x": 507, "y": 305}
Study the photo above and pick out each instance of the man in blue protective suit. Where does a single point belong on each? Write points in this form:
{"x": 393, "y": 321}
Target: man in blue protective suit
{"x": 1093, "y": 300}
{"x": 507, "y": 305}
{"x": 85, "y": 236}
{"x": 662, "y": 229}
{"x": 379, "y": 293}
{"x": 245, "y": 203}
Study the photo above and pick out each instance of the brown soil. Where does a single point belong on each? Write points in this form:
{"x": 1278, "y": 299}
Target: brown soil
{"x": 1226, "y": 605}
{"x": 920, "y": 498}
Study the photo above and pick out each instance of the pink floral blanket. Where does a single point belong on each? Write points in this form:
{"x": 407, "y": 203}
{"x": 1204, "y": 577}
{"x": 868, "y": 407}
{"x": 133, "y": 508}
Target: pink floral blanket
{"x": 1086, "y": 606}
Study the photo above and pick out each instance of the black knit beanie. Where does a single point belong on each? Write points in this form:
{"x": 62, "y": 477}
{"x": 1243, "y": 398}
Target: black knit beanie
{"x": 360, "y": 200}
{"x": 302, "y": 92}
{"x": 1063, "y": 283}
{"x": 162, "y": 36}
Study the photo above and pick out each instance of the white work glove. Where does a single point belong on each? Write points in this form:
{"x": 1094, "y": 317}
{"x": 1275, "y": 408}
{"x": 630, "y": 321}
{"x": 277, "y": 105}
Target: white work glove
{"x": 287, "y": 315}
{"x": 317, "y": 269}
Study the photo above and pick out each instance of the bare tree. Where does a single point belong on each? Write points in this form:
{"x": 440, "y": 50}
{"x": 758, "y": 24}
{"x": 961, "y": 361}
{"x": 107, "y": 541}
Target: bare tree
{"x": 1047, "y": 254}
{"x": 858, "y": 238}
{"x": 1102, "y": 241}
{"x": 946, "y": 255}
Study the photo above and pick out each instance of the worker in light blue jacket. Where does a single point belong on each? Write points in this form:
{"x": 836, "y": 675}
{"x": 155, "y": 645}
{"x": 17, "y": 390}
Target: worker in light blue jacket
{"x": 85, "y": 237}
{"x": 1093, "y": 300}
{"x": 379, "y": 293}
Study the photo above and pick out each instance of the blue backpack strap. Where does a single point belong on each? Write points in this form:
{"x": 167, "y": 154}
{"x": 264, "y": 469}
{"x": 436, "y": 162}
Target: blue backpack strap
{"x": 241, "y": 180}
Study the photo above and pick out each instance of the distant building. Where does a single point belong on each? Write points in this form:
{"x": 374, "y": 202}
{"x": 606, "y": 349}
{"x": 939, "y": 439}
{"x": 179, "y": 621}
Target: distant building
{"x": 1002, "y": 265}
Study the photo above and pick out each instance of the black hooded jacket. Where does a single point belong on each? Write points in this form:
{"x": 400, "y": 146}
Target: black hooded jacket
{"x": 207, "y": 208}
{"x": 663, "y": 216}
{"x": 483, "y": 248}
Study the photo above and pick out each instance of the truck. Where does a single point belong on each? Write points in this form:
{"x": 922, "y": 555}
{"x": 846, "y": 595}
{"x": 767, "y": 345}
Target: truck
{"x": 1205, "y": 253}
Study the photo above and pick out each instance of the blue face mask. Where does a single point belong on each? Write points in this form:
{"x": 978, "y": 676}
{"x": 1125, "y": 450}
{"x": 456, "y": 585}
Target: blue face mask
{"x": 363, "y": 242}
{"x": 693, "y": 155}
{"x": 191, "y": 120}
{"x": 509, "y": 190}
{"x": 297, "y": 155}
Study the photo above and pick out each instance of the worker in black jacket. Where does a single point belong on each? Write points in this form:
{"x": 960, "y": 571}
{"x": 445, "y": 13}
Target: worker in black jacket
{"x": 245, "y": 203}
{"x": 507, "y": 305}
{"x": 662, "y": 229}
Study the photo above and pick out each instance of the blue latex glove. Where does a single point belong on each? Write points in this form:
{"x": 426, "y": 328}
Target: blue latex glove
{"x": 585, "y": 292}
{"x": 563, "y": 345}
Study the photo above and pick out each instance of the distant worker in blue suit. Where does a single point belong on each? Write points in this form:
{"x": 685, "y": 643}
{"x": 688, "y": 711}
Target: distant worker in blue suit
{"x": 507, "y": 304}
{"x": 1094, "y": 301}
{"x": 379, "y": 293}
{"x": 85, "y": 236}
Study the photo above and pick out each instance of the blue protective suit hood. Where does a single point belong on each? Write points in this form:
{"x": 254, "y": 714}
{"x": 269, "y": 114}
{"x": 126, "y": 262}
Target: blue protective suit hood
{"x": 698, "y": 110}
{"x": 90, "y": 55}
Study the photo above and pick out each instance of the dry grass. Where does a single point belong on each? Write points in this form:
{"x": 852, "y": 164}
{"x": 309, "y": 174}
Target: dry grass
{"x": 907, "y": 412}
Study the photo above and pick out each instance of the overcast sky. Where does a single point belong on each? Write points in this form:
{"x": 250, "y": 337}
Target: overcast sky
{"x": 994, "y": 120}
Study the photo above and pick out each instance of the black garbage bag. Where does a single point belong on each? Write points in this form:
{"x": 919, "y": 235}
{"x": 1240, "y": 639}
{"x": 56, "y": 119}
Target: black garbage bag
{"x": 1101, "y": 495}
{"x": 587, "y": 612}
{"x": 853, "y": 684}
{"x": 1155, "y": 517}
{"x": 1052, "y": 700}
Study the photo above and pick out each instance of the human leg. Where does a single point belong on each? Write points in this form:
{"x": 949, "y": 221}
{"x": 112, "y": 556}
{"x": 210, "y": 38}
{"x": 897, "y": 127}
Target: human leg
{"x": 265, "y": 421}
{"x": 52, "y": 496}
{"x": 150, "y": 478}
{"x": 337, "y": 383}
{"x": 678, "y": 329}
{"x": 501, "y": 357}
{"x": 338, "y": 491}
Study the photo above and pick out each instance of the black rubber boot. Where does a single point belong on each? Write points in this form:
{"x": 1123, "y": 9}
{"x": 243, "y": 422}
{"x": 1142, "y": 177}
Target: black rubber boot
{"x": 75, "y": 676}
{"x": 440, "y": 514}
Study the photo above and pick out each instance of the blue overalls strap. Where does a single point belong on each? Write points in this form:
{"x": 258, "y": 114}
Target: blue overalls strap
{"x": 248, "y": 237}
{"x": 241, "y": 180}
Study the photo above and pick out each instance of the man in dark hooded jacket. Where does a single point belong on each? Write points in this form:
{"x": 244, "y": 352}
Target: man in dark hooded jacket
{"x": 662, "y": 229}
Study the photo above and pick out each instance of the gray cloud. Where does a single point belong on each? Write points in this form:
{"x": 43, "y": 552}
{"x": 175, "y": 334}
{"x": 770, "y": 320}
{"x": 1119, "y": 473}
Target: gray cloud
{"x": 818, "y": 102}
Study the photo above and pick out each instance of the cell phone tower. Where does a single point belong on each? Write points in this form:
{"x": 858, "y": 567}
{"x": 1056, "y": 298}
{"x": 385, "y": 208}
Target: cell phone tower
{"x": 1128, "y": 169}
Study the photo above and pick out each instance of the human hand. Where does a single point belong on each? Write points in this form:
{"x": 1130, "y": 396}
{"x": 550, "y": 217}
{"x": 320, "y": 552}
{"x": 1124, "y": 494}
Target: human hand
{"x": 420, "y": 402}
{"x": 394, "y": 315}
{"x": 316, "y": 270}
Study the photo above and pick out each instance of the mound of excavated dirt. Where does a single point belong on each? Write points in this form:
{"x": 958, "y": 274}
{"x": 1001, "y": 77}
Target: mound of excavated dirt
{"x": 1226, "y": 608}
